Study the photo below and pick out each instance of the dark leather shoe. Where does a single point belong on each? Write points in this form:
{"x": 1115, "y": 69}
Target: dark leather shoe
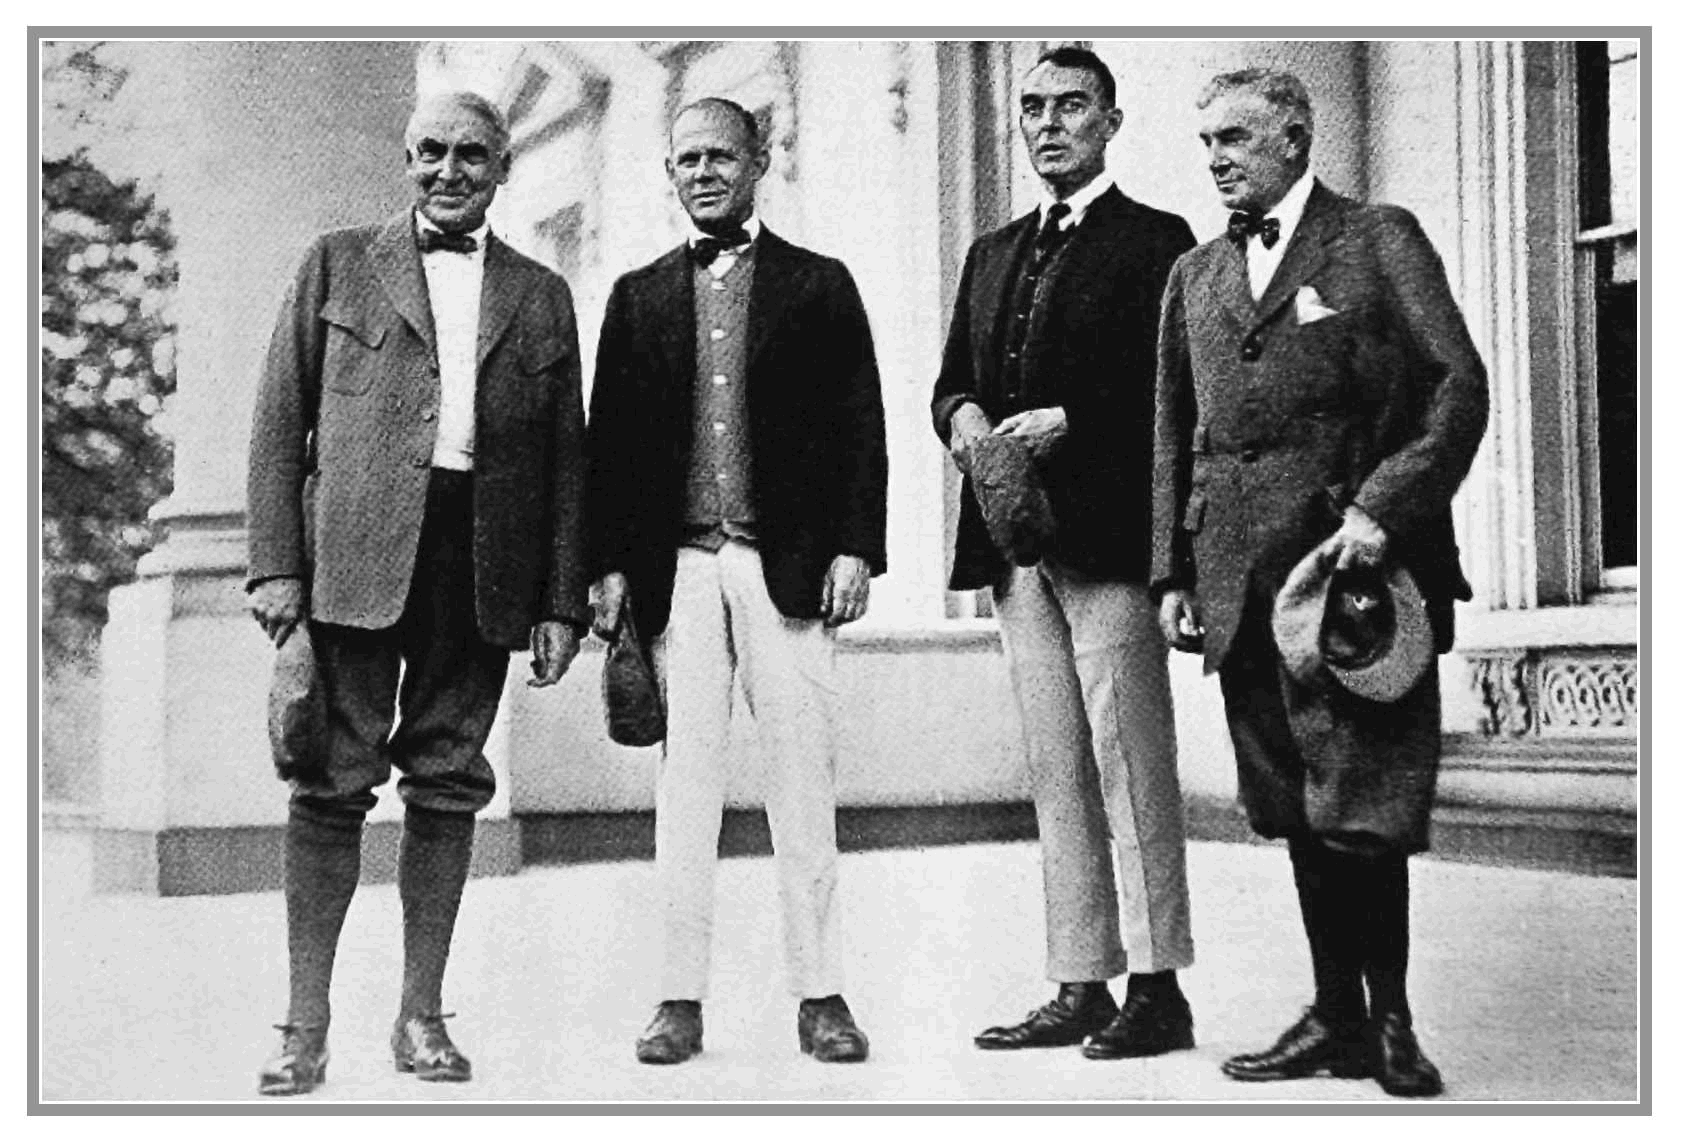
{"x": 1310, "y": 1047}
{"x": 1079, "y": 1009}
{"x": 1400, "y": 1066}
{"x": 301, "y": 1064}
{"x": 421, "y": 1046}
{"x": 827, "y": 1032}
{"x": 673, "y": 1036}
{"x": 1148, "y": 1024}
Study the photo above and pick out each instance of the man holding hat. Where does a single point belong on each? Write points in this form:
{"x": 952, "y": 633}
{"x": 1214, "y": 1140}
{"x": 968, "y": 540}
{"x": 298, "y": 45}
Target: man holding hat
{"x": 1318, "y": 403}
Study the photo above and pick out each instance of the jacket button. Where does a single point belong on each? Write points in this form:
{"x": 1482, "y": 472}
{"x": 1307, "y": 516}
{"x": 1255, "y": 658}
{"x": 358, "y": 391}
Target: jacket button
{"x": 419, "y": 462}
{"x": 1251, "y": 348}
{"x": 428, "y": 414}
{"x": 1250, "y": 455}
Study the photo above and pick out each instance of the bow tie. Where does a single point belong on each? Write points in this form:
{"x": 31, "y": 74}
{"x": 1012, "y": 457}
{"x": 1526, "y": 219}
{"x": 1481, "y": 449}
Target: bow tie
{"x": 706, "y": 250}
{"x": 1243, "y": 224}
{"x": 444, "y": 241}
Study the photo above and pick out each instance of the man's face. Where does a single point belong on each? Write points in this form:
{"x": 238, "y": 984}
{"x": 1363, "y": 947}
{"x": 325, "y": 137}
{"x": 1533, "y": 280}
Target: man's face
{"x": 714, "y": 167}
{"x": 1254, "y": 156}
{"x": 1066, "y": 123}
{"x": 456, "y": 162}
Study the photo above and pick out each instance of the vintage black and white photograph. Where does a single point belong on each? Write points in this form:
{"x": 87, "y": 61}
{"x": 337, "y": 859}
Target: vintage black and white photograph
{"x": 841, "y": 570}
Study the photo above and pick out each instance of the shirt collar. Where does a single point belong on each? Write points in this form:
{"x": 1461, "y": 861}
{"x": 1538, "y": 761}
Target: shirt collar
{"x": 1289, "y": 210}
{"x": 1077, "y": 202}
{"x": 751, "y": 226}
{"x": 479, "y": 234}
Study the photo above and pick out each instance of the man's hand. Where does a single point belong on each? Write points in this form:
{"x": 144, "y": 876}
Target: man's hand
{"x": 608, "y": 597}
{"x": 1181, "y": 620}
{"x": 1039, "y": 430}
{"x": 846, "y": 590}
{"x": 969, "y": 424}
{"x": 1360, "y": 541}
{"x": 278, "y": 605}
{"x": 553, "y": 645}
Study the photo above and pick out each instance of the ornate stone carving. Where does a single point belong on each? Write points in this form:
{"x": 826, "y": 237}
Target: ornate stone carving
{"x": 1589, "y": 691}
{"x": 1501, "y": 682}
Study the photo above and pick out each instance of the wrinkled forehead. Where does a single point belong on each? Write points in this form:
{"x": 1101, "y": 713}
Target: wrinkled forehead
{"x": 709, "y": 127}
{"x": 451, "y": 122}
{"x": 1243, "y": 108}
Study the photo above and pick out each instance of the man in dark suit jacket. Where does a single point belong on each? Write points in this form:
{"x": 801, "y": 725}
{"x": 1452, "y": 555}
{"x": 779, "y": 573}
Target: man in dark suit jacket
{"x": 1053, "y": 344}
{"x": 738, "y": 500}
{"x": 424, "y": 379}
{"x": 1318, "y": 389}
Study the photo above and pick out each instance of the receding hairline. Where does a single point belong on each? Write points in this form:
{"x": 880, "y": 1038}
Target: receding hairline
{"x": 481, "y": 108}
{"x": 1281, "y": 90}
{"x": 746, "y": 123}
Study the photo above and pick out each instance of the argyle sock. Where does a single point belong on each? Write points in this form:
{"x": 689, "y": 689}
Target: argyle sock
{"x": 1387, "y": 934}
{"x": 1335, "y": 923}
{"x": 323, "y": 864}
{"x": 431, "y": 872}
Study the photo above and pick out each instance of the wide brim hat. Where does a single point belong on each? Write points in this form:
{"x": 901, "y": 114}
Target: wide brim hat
{"x": 1365, "y": 629}
{"x": 1012, "y": 498}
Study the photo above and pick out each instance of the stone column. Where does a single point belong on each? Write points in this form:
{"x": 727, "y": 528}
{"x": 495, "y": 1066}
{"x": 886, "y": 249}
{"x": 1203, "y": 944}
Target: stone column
{"x": 254, "y": 148}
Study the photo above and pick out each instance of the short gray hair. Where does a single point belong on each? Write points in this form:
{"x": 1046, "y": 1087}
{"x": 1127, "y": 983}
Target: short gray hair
{"x": 485, "y": 109}
{"x": 1281, "y": 89}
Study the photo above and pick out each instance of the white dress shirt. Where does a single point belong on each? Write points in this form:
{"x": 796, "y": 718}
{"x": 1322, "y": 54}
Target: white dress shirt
{"x": 1077, "y": 202}
{"x": 726, "y": 259}
{"x": 454, "y": 283}
{"x": 1263, "y": 263}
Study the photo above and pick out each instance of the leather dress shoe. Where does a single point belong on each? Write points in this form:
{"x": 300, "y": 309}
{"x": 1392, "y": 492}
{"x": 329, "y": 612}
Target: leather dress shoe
{"x": 1400, "y": 1066}
{"x": 421, "y": 1046}
{"x": 1150, "y": 1023}
{"x": 827, "y": 1032}
{"x": 301, "y": 1063}
{"x": 1079, "y": 1009}
{"x": 1311, "y": 1046}
{"x": 674, "y": 1034}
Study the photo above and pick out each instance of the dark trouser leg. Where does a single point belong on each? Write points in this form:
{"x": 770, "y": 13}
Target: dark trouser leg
{"x": 452, "y": 683}
{"x": 1387, "y": 934}
{"x": 1334, "y": 917}
{"x": 323, "y": 864}
{"x": 431, "y": 872}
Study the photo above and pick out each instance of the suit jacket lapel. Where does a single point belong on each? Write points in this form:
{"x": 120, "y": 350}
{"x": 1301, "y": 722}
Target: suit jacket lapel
{"x": 993, "y": 280}
{"x": 1090, "y": 248}
{"x": 396, "y": 264}
{"x": 1231, "y": 282}
{"x": 1321, "y": 220}
{"x": 499, "y": 297}
{"x": 772, "y": 283}
{"x": 674, "y": 318}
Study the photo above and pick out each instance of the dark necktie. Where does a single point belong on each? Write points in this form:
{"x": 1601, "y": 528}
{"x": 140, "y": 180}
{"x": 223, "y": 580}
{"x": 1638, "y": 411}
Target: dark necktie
{"x": 705, "y": 251}
{"x": 1243, "y": 224}
{"x": 1052, "y": 234}
{"x": 444, "y": 241}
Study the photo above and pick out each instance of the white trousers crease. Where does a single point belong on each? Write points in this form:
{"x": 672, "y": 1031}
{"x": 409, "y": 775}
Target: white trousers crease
{"x": 1089, "y": 669}
{"x": 723, "y": 626}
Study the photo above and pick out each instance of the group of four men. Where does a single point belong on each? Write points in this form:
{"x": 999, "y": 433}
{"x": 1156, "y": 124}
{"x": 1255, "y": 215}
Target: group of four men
{"x": 424, "y": 496}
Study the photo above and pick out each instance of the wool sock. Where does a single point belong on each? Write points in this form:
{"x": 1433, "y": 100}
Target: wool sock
{"x": 431, "y": 872}
{"x": 323, "y": 864}
{"x": 1335, "y": 923}
{"x": 1387, "y": 935}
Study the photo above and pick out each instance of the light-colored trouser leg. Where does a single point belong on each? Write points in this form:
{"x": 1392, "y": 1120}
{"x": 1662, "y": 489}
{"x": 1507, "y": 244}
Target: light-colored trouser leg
{"x": 696, "y": 667}
{"x": 1090, "y": 674}
{"x": 788, "y": 679}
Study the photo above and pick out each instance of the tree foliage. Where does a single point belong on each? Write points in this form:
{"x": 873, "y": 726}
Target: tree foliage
{"x": 107, "y": 366}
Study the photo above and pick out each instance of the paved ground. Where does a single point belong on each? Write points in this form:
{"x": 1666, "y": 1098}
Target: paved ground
{"x": 1524, "y": 985}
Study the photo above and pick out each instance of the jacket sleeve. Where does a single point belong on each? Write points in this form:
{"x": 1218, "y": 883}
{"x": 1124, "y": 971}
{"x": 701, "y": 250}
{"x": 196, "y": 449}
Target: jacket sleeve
{"x": 1172, "y": 565}
{"x": 566, "y": 589}
{"x": 288, "y": 401}
{"x": 863, "y": 480}
{"x": 957, "y": 383}
{"x": 611, "y": 442}
{"x": 1117, "y": 402}
{"x": 1415, "y": 483}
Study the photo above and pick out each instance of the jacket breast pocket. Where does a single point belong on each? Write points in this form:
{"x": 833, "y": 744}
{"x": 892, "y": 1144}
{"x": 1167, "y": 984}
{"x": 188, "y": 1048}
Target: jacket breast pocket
{"x": 541, "y": 355}
{"x": 349, "y": 360}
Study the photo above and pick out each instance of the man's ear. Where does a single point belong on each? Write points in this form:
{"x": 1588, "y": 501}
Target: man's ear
{"x": 761, "y": 162}
{"x": 507, "y": 166}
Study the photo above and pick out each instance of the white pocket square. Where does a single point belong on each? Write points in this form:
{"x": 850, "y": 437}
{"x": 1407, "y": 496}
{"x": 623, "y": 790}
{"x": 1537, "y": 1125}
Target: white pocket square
{"x": 1310, "y": 307}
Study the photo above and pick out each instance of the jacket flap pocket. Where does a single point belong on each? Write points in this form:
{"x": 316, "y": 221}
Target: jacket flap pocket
{"x": 365, "y": 328}
{"x": 538, "y": 354}
{"x": 1194, "y": 507}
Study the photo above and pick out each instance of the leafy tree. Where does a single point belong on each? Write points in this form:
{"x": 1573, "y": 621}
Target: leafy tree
{"x": 107, "y": 366}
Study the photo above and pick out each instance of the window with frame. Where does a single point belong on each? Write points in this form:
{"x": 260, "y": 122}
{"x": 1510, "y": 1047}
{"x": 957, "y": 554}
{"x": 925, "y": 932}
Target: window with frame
{"x": 1607, "y": 270}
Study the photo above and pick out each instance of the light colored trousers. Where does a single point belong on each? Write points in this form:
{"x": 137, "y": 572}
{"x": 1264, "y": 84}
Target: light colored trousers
{"x": 723, "y": 626}
{"x": 1089, "y": 667}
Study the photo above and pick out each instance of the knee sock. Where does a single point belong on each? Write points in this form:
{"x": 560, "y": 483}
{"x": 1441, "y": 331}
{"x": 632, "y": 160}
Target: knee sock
{"x": 1387, "y": 934}
{"x": 431, "y": 871}
{"x": 1334, "y": 922}
{"x": 323, "y": 863}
